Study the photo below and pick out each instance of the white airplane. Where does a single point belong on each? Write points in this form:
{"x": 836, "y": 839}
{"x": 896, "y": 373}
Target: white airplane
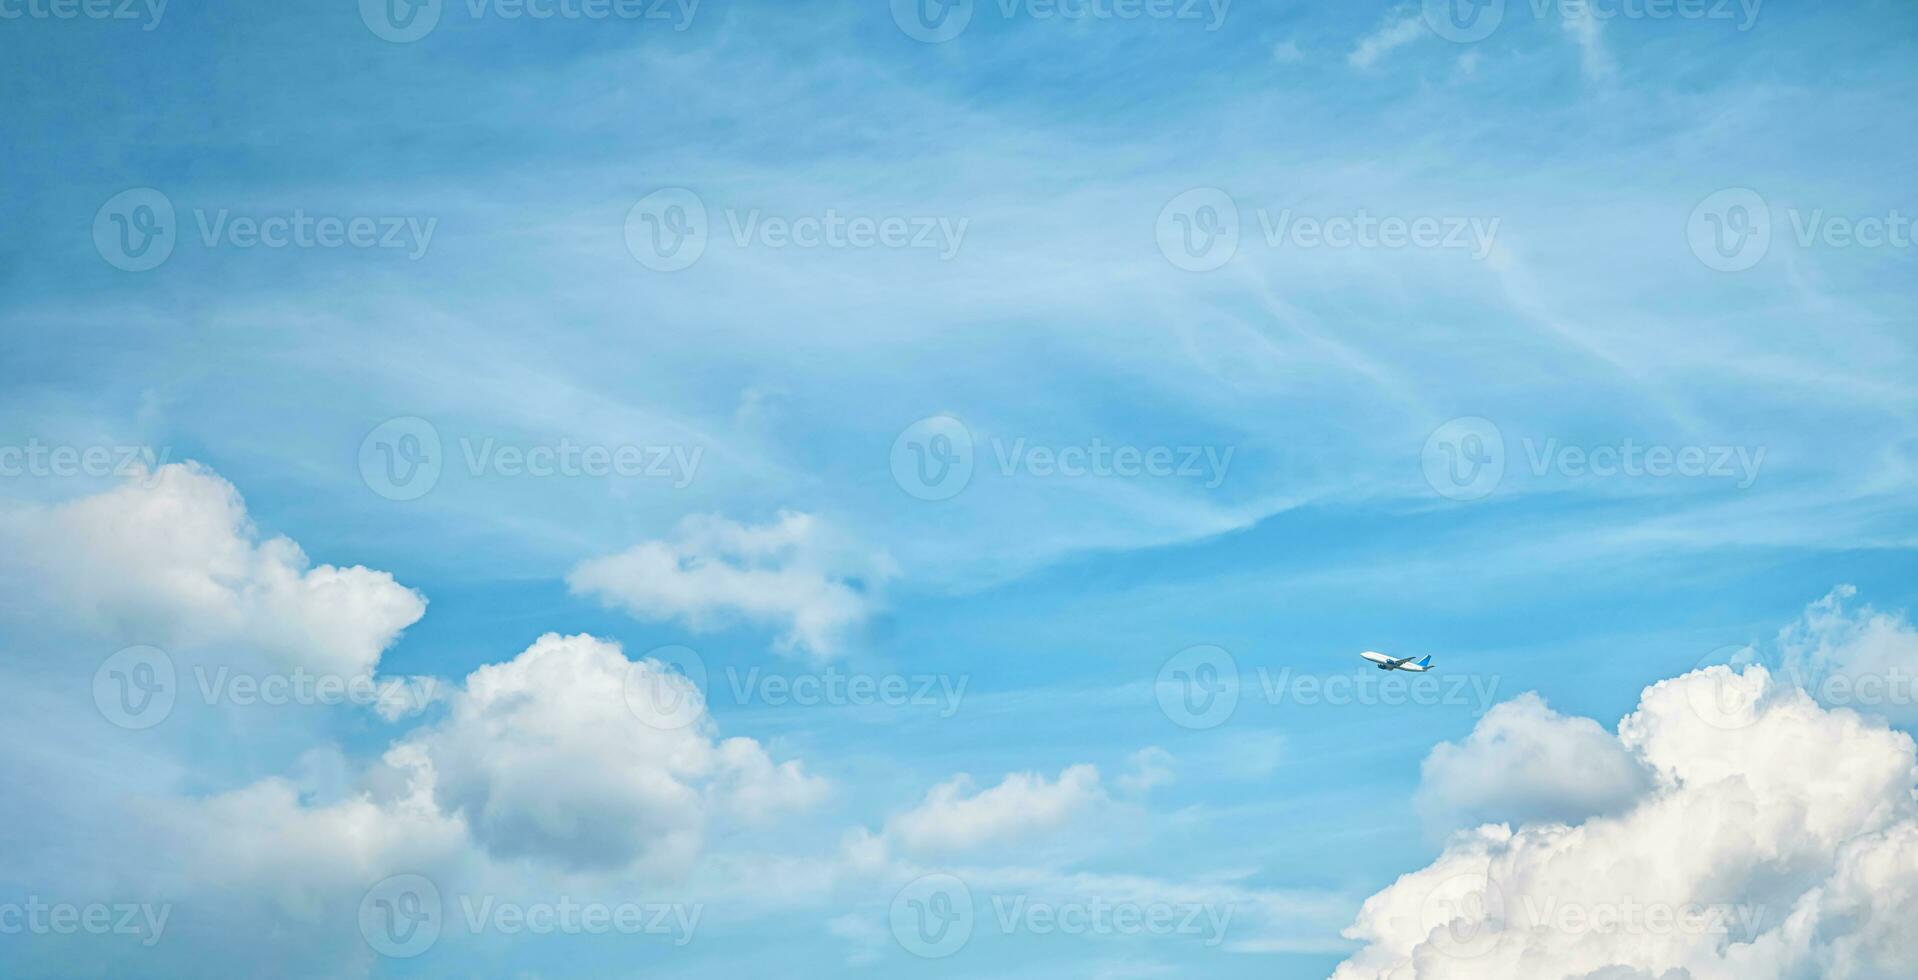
{"x": 1397, "y": 663}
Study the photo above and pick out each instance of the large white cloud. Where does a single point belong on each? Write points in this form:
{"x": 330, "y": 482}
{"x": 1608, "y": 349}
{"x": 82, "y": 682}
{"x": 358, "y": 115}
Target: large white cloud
{"x": 790, "y": 574}
{"x": 1780, "y": 842}
{"x": 572, "y": 754}
{"x": 170, "y": 558}
{"x": 956, "y": 817}
{"x": 1525, "y": 762}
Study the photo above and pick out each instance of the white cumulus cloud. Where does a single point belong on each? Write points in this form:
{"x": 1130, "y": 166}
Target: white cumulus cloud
{"x": 790, "y": 574}
{"x": 955, "y": 816}
{"x": 1525, "y": 762}
{"x": 170, "y": 558}
{"x": 1779, "y": 842}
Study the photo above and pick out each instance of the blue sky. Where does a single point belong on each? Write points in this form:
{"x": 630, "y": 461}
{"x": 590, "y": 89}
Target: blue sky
{"x": 1307, "y": 395}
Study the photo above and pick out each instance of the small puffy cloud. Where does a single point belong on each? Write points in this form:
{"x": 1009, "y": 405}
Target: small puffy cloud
{"x": 953, "y": 817}
{"x": 790, "y": 574}
{"x": 1779, "y": 841}
{"x": 1526, "y": 763}
{"x": 1400, "y": 29}
{"x": 170, "y": 558}
{"x": 551, "y": 755}
{"x": 1147, "y": 768}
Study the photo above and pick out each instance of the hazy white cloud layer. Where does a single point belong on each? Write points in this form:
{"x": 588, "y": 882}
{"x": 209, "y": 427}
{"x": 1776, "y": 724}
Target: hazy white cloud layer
{"x": 957, "y": 816}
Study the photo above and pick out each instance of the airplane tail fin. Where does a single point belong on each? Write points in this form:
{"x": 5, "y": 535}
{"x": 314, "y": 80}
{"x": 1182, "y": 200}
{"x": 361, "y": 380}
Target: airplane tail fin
{"x": 1426, "y": 662}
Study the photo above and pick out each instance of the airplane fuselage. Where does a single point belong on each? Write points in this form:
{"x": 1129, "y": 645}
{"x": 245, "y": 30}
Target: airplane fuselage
{"x": 1384, "y": 662}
